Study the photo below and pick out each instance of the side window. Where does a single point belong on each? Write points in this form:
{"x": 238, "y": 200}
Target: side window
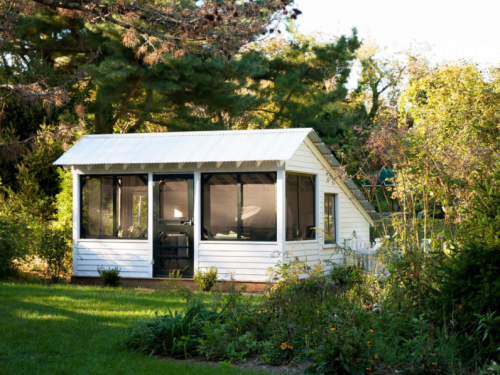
{"x": 300, "y": 207}
{"x": 330, "y": 219}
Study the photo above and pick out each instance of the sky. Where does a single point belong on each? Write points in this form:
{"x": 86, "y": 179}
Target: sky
{"x": 455, "y": 30}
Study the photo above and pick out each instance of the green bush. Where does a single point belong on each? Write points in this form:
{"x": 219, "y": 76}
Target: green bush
{"x": 175, "y": 334}
{"x": 206, "y": 280}
{"x": 54, "y": 247}
{"x": 314, "y": 320}
{"x": 175, "y": 285}
{"x": 13, "y": 246}
{"x": 109, "y": 277}
{"x": 346, "y": 274}
{"x": 470, "y": 288}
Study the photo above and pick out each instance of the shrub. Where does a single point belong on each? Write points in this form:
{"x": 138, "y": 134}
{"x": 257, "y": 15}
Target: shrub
{"x": 53, "y": 247}
{"x": 206, "y": 280}
{"x": 110, "y": 277}
{"x": 175, "y": 334}
{"x": 13, "y": 246}
{"x": 470, "y": 289}
{"x": 346, "y": 274}
{"x": 174, "y": 285}
{"x": 308, "y": 320}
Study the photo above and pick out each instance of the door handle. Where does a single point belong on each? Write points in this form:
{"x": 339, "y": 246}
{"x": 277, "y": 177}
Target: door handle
{"x": 190, "y": 222}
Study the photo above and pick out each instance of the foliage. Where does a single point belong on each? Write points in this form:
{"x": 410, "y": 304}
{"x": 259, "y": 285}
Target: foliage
{"x": 53, "y": 246}
{"x": 346, "y": 274}
{"x": 206, "y": 280}
{"x": 64, "y": 201}
{"x": 454, "y": 131}
{"x": 470, "y": 291}
{"x": 109, "y": 277}
{"x": 174, "y": 285}
{"x": 174, "y": 334}
{"x": 13, "y": 248}
{"x": 336, "y": 329}
{"x": 235, "y": 335}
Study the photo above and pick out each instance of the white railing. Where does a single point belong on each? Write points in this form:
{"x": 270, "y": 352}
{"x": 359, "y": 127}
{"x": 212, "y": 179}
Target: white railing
{"x": 364, "y": 253}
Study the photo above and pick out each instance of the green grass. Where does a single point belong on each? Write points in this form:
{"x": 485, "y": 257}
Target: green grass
{"x": 67, "y": 329}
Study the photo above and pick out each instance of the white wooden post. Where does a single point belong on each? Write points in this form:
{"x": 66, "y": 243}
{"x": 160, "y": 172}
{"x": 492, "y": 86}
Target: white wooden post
{"x": 281, "y": 214}
{"x": 76, "y": 218}
{"x": 318, "y": 209}
{"x": 197, "y": 216}
{"x": 150, "y": 221}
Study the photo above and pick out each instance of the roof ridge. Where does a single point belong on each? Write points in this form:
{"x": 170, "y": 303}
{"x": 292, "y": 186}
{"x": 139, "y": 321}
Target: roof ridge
{"x": 200, "y": 133}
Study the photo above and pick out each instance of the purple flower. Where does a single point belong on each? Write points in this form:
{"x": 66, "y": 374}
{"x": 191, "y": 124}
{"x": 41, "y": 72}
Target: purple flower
{"x": 386, "y": 273}
{"x": 440, "y": 237}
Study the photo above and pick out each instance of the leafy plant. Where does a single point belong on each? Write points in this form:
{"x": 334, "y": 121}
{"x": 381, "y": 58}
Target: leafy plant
{"x": 175, "y": 334}
{"x": 174, "y": 285}
{"x": 13, "y": 245}
{"x": 346, "y": 274}
{"x": 206, "y": 280}
{"x": 54, "y": 247}
{"x": 469, "y": 293}
{"x": 109, "y": 277}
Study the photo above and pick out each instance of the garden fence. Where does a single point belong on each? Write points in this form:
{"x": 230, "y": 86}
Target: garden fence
{"x": 364, "y": 253}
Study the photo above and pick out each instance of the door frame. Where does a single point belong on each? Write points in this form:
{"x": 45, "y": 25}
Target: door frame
{"x": 159, "y": 224}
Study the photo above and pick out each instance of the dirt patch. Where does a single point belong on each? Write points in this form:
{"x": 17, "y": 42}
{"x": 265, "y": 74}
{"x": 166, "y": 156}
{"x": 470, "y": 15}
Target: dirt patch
{"x": 251, "y": 364}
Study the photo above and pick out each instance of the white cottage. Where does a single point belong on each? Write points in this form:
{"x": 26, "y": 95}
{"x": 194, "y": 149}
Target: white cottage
{"x": 241, "y": 201}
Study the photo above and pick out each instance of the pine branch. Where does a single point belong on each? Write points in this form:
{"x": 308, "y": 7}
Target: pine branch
{"x": 285, "y": 102}
{"x": 125, "y": 102}
{"x": 142, "y": 116}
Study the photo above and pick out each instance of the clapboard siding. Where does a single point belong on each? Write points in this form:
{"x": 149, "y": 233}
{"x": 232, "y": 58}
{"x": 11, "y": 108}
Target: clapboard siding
{"x": 350, "y": 219}
{"x": 244, "y": 261}
{"x": 132, "y": 257}
{"x": 305, "y": 251}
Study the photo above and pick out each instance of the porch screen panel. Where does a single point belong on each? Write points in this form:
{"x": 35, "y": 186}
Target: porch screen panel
{"x": 91, "y": 208}
{"x": 220, "y": 207}
{"x": 239, "y": 206}
{"x": 292, "y": 207}
{"x": 258, "y": 206}
{"x": 114, "y": 207}
{"x": 132, "y": 201}
{"x": 300, "y": 207}
{"x": 306, "y": 208}
{"x": 107, "y": 207}
{"x": 174, "y": 198}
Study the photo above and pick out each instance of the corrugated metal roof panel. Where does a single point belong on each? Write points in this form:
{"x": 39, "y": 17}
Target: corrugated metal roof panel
{"x": 350, "y": 184}
{"x": 185, "y": 147}
{"x": 315, "y": 137}
{"x": 366, "y": 205}
{"x": 323, "y": 149}
{"x": 333, "y": 161}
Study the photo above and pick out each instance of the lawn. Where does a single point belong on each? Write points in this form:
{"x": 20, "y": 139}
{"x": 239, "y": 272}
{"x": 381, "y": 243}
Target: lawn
{"x": 67, "y": 329}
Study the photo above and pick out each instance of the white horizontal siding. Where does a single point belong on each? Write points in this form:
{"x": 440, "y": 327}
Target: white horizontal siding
{"x": 305, "y": 251}
{"x": 245, "y": 261}
{"x": 132, "y": 257}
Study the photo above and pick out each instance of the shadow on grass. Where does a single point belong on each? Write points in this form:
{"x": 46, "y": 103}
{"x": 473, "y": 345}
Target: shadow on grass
{"x": 80, "y": 330}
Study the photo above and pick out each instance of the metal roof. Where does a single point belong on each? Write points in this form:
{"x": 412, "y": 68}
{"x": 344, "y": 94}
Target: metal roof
{"x": 185, "y": 147}
{"x": 203, "y": 147}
